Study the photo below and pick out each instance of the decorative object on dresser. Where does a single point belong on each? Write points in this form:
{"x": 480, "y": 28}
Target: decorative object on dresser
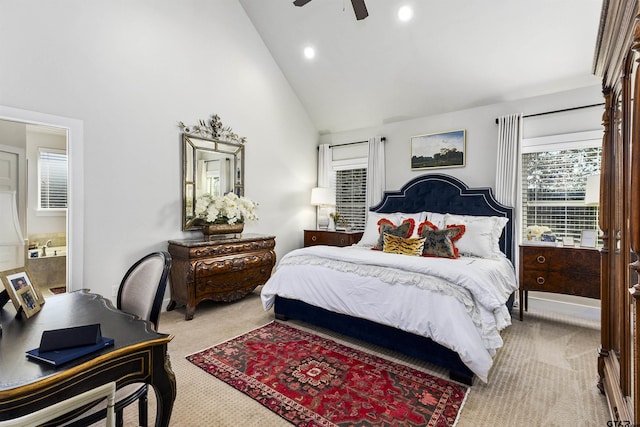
{"x": 223, "y": 214}
{"x": 331, "y": 238}
{"x": 563, "y": 270}
{"x": 224, "y": 269}
{"x": 615, "y": 61}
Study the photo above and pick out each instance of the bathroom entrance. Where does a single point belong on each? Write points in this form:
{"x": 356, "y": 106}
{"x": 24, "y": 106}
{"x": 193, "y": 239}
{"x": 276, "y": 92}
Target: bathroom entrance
{"x": 40, "y": 182}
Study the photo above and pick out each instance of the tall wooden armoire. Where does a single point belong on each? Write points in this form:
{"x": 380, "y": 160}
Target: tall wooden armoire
{"x": 616, "y": 61}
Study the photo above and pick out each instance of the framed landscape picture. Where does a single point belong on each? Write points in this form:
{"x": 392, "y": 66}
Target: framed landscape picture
{"x": 438, "y": 150}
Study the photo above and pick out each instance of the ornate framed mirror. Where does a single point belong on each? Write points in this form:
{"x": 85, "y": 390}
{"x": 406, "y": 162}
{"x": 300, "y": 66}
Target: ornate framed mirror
{"x": 212, "y": 162}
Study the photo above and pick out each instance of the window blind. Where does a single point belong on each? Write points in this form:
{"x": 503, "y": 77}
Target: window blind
{"x": 553, "y": 190}
{"x": 350, "y": 185}
{"x": 52, "y": 167}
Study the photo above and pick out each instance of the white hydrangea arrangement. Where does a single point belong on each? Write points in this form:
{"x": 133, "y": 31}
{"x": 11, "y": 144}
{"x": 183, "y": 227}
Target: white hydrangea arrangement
{"x": 227, "y": 209}
{"x": 537, "y": 230}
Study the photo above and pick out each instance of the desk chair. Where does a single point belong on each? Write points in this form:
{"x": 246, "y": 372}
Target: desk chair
{"x": 141, "y": 292}
{"x": 57, "y": 410}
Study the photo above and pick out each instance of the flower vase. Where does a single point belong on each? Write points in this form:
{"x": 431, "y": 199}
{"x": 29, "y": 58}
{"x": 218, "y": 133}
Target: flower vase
{"x": 222, "y": 229}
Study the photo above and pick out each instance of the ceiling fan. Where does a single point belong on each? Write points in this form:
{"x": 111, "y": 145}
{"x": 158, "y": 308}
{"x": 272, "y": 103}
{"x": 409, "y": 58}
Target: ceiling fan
{"x": 358, "y": 7}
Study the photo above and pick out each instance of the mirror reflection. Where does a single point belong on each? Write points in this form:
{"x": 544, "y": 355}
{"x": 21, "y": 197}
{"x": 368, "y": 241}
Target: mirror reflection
{"x": 210, "y": 166}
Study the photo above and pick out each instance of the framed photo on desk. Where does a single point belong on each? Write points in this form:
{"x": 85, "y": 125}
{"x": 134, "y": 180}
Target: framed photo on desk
{"x": 22, "y": 292}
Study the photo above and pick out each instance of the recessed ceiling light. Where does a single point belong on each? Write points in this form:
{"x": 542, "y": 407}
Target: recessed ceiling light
{"x": 405, "y": 13}
{"x": 309, "y": 52}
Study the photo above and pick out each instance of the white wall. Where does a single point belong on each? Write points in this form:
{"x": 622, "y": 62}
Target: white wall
{"x": 481, "y": 133}
{"x": 129, "y": 71}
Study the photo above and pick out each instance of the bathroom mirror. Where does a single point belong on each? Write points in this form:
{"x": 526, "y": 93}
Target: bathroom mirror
{"x": 209, "y": 166}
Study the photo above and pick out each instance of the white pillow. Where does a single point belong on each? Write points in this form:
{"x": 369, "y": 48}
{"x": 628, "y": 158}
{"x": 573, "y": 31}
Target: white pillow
{"x": 482, "y": 235}
{"x": 436, "y": 219}
{"x": 371, "y": 233}
{"x": 417, "y": 218}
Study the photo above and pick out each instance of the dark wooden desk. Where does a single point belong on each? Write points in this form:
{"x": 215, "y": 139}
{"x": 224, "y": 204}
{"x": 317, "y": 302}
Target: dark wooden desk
{"x": 139, "y": 355}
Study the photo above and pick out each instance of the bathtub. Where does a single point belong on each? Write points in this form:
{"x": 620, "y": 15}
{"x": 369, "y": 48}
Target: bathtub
{"x": 50, "y": 270}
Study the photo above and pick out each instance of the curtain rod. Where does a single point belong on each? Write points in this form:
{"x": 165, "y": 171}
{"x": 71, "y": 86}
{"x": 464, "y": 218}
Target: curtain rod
{"x": 560, "y": 111}
{"x": 352, "y": 143}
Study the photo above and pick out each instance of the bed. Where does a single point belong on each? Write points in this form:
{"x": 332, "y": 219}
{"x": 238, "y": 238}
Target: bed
{"x": 408, "y": 304}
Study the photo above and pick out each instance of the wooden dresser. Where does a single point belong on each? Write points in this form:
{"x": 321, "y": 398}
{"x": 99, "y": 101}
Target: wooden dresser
{"x": 218, "y": 269}
{"x": 562, "y": 270}
{"x": 331, "y": 238}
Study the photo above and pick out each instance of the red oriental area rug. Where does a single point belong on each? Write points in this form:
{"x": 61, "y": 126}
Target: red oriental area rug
{"x": 312, "y": 381}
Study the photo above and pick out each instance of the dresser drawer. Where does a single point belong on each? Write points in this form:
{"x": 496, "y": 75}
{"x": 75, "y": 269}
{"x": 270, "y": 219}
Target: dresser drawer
{"x": 228, "y": 264}
{"x": 581, "y": 284}
{"x": 331, "y": 238}
{"x": 561, "y": 259}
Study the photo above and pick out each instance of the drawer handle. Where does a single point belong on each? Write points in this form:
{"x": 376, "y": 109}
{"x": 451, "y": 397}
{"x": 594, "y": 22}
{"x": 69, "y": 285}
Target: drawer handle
{"x": 540, "y": 280}
{"x": 541, "y": 259}
{"x": 314, "y": 238}
{"x": 342, "y": 241}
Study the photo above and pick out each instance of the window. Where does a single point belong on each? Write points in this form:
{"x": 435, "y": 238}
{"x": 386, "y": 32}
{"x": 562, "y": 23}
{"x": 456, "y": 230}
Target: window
{"x": 52, "y": 179}
{"x": 349, "y": 179}
{"x": 554, "y": 178}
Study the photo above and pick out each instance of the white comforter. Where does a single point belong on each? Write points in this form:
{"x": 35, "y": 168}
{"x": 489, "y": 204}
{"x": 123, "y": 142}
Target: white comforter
{"x": 458, "y": 303}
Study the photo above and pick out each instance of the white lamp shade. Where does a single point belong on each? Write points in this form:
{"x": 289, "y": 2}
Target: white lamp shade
{"x": 592, "y": 192}
{"x": 10, "y": 234}
{"x": 321, "y": 196}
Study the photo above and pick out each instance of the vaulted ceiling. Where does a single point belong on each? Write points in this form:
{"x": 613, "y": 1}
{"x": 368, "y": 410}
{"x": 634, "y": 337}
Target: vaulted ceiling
{"x": 450, "y": 56}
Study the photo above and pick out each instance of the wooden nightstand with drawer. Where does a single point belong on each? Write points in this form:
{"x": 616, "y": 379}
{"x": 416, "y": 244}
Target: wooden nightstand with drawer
{"x": 331, "y": 238}
{"x": 563, "y": 270}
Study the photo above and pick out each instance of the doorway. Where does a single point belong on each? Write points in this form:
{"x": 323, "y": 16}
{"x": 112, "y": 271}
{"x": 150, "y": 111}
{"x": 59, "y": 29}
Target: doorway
{"x": 60, "y": 232}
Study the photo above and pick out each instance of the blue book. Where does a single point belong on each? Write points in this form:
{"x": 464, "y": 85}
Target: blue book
{"x": 58, "y": 357}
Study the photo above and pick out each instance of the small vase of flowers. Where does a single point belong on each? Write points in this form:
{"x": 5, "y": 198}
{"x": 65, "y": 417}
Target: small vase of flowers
{"x": 224, "y": 214}
{"x": 535, "y": 231}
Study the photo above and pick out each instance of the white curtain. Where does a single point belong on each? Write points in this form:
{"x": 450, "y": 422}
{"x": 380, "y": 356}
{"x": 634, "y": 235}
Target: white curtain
{"x": 509, "y": 136}
{"x": 324, "y": 165}
{"x": 507, "y": 170}
{"x": 375, "y": 171}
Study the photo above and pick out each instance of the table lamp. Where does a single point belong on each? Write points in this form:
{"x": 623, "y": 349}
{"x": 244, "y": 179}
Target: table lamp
{"x": 322, "y": 198}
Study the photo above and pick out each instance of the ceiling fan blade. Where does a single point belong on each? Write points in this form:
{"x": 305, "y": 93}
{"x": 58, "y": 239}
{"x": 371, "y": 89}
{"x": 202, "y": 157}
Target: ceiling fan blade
{"x": 301, "y": 2}
{"x": 359, "y": 8}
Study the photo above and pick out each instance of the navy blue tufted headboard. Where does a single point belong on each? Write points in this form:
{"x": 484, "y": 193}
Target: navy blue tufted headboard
{"x": 446, "y": 194}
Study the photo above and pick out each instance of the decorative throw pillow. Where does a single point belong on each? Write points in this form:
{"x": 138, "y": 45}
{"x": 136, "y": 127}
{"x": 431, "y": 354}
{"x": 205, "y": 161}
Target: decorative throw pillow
{"x": 385, "y": 226}
{"x": 403, "y": 246}
{"x": 440, "y": 243}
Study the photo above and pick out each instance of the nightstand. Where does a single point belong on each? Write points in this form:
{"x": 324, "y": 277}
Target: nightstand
{"x": 331, "y": 238}
{"x": 563, "y": 270}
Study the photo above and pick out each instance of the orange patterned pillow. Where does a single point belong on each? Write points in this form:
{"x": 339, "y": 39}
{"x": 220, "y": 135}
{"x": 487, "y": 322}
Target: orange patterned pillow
{"x": 386, "y": 226}
{"x": 440, "y": 243}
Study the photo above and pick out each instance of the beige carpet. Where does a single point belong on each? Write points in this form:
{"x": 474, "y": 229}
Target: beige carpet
{"x": 545, "y": 375}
